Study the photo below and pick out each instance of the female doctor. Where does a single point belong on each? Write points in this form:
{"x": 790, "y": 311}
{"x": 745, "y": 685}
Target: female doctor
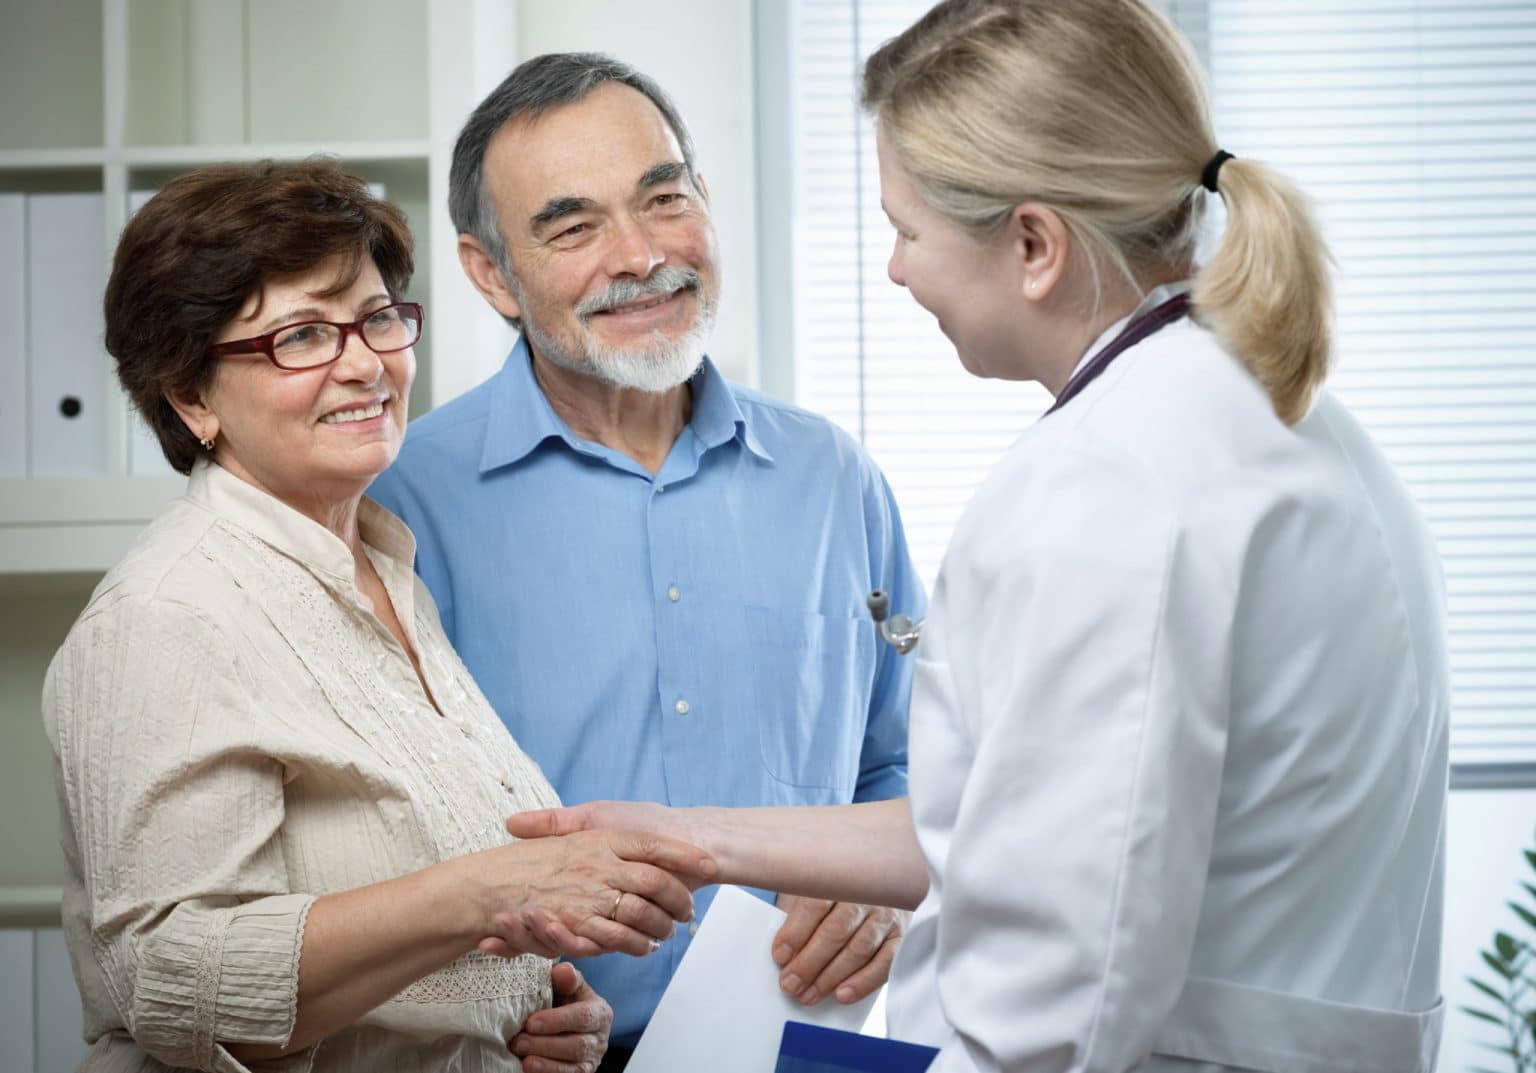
{"x": 1178, "y": 729}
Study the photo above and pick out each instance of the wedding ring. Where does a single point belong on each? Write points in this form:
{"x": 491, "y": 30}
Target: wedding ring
{"x": 613, "y": 914}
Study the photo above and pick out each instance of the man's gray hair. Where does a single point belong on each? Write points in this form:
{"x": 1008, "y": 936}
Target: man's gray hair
{"x": 536, "y": 86}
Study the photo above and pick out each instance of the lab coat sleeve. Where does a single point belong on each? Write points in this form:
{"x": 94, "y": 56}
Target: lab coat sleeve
{"x": 175, "y": 822}
{"x": 1087, "y": 654}
{"x": 883, "y": 754}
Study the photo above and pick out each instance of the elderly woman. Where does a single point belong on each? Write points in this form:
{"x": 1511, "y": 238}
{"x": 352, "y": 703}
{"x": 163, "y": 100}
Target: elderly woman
{"x": 282, "y": 793}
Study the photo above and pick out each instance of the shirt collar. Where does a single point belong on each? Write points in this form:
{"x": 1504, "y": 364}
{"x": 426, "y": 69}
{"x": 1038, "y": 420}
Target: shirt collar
{"x": 521, "y": 417}
{"x": 303, "y": 539}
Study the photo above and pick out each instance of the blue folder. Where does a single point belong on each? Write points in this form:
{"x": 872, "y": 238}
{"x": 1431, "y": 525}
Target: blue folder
{"x": 812, "y": 1049}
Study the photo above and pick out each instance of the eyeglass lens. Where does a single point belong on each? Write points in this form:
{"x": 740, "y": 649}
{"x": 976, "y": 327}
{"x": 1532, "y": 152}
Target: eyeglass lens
{"x": 391, "y": 328}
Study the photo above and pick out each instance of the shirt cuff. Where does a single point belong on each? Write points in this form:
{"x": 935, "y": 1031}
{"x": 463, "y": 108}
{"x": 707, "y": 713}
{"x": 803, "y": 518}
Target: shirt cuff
{"x": 230, "y": 975}
{"x": 882, "y": 785}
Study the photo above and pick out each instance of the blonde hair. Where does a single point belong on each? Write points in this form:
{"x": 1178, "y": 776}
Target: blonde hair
{"x": 1097, "y": 109}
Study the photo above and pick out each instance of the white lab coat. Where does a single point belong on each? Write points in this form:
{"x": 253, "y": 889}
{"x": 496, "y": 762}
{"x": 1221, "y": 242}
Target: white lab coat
{"x": 1178, "y": 743}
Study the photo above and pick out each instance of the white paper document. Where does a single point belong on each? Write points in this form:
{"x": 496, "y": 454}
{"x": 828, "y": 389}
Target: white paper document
{"x": 724, "y": 1011}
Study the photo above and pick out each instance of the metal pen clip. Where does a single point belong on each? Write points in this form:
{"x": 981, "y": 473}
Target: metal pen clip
{"x": 900, "y": 632}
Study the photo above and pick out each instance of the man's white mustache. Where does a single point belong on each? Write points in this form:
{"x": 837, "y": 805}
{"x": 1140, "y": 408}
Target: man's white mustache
{"x": 664, "y": 280}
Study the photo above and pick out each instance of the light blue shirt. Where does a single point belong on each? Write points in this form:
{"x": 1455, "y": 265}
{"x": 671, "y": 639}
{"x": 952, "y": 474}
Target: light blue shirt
{"x": 694, "y": 637}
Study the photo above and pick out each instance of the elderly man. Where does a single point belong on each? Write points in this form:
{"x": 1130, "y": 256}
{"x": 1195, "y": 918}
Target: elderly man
{"x": 657, "y": 577}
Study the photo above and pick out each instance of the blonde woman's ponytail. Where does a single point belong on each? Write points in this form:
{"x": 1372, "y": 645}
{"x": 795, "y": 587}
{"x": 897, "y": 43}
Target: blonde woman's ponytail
{"x": 1266, "y": 291}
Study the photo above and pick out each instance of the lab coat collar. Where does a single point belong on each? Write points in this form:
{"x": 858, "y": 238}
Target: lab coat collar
{"x": 1155, "y": 297}
{"x": 521, "y": 417}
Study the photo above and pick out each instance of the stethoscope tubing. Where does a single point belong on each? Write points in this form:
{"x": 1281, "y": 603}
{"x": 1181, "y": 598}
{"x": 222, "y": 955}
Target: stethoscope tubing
{"x": 901, "y": 632}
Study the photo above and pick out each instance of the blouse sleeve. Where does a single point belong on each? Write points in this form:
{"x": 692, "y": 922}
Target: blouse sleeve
{"x": 176, "y": 811}
{"x": 1087, "y": 674}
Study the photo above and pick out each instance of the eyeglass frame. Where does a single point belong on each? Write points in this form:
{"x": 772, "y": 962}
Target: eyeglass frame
{"x": 262, "y": 344}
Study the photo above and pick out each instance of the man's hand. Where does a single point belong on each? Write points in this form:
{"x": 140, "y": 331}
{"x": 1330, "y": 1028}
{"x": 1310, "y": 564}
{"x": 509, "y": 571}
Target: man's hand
{"x": 835, "y": 948}
{"x": 572, "y": 1035}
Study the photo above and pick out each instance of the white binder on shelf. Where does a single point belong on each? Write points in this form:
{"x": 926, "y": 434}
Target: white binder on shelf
{"x": 13, "y": 335}
{"x": 67, "y": 367}
{"x": 145, "y": 458}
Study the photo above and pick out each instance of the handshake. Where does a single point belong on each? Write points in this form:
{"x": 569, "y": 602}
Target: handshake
{"x": 618, "y": 876}
{"x": 569, "y": 888}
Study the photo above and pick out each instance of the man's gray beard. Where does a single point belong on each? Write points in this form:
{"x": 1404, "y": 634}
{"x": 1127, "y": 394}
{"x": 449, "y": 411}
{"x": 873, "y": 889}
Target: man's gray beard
{"x": 658, "y": 368}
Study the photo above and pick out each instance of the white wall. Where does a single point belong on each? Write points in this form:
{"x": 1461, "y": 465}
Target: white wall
{"x": 1484, "y": 836}
{"x": 700, "y": 51}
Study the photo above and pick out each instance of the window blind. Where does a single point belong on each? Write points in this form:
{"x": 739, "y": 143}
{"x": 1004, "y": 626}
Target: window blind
{"x": 1413, "y": 125}
{"x": 866, "y": 355}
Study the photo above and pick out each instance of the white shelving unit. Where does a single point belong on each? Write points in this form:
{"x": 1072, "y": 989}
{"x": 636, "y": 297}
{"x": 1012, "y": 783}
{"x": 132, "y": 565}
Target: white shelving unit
{"x": 121, "y": 95}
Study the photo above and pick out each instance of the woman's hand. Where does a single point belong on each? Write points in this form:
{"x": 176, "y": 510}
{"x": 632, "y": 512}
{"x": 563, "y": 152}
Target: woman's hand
{"x": 572, "y": 1035}
{"x": 593, "y": 892}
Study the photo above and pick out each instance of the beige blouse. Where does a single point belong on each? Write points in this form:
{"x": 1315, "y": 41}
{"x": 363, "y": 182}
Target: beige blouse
{"x": 234, "y": 734}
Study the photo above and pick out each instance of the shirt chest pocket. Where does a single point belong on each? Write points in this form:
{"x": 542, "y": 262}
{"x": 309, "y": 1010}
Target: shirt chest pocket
{"x": 811, "y": 681}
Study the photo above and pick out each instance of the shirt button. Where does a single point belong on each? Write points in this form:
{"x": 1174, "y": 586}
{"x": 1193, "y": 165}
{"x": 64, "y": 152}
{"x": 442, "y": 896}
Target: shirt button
{"x": 661, "y": 488}
{"x": 674, "y": 593}
{"x": 681, "y": 707}
{"x": 693, "y": 927}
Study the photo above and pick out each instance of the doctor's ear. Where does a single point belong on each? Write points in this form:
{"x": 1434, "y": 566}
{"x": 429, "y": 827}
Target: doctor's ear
{"x": 485, "y": 274}
{"x": 1041, "y": 244}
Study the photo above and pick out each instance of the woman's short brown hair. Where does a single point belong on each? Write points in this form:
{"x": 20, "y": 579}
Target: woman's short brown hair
{"x": 191, "y": 258}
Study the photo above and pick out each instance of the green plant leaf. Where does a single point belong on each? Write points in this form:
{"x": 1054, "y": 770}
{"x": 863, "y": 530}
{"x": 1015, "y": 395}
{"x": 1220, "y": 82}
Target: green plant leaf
{"x": 1489, "y": 991}
{"x": 1530, "y": 888}
{"x": 1497, "y": 966}
{"x": 1507, "y": 945}
{"x": 1524, "y": 914}
{"x": 1483, "y": 1015}
{"x": 1530, "y": 859}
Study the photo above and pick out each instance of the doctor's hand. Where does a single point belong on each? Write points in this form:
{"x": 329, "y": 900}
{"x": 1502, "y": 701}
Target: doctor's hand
{"x": 835, "y": 948}
{"x": 572, "y": 1035}
{"x": 641, "y": 816}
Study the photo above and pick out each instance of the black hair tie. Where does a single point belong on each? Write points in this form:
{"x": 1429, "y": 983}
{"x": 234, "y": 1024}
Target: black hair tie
{"x": 1208, "y": 176}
